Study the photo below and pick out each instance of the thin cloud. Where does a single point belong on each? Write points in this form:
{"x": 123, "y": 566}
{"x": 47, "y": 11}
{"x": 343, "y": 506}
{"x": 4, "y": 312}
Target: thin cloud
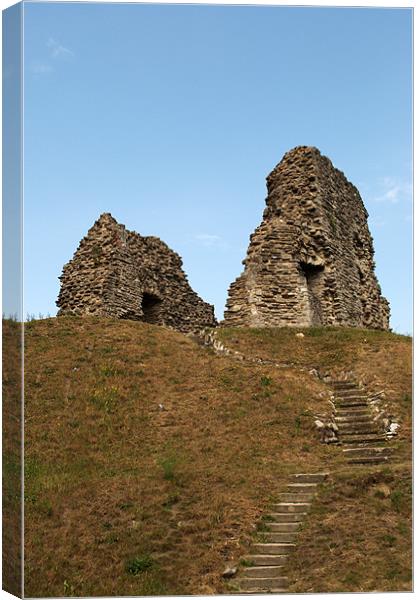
{"x": 56, "y": 53}
{"x": 393, "y": 190}
{"x": 40, "y": 68}
{"x": 377, "y": 223}
{"x": 209, "y": 240}
{"x": 57, "y": 50}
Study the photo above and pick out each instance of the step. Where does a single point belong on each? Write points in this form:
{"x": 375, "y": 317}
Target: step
{"x": 368, "y": 460}
{"x": 349, "y": 392}
{"x": 287, "y": 517}
{"x": 351, "y": 402}
{"x": 267, "y": 537}
{"x": 349, "y": 396}
{"x": 302, "y": 487}
{"x": 343, "y": 383}
{"x": 362, "y": 439}
{"x": 265, "y": 571}
{"x": 296, "y": 497}
{"x": 358, "y": 430}
{"x": 261, "y": 583}
{"x": 367, "y": 451}
{"x": 273, "y": 547}
{"x": 361, "y": 400}
{"x": 284, "y": 527}
{"x": 357, "y": 423}
{"x": 308, "y": 477}
{"x": 344, "y": 414}
{"x": 292, "y": 507}
{"x": 266, "y": 559}
{"x": 352, "y": 411}
{"x": 271, "y": 591}
{"x": 361, "y": 425}
{"x": 353, "y": 419}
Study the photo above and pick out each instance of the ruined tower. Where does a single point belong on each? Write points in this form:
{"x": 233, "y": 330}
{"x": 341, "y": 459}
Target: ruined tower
{"x": 310, "y": 261}
{"x": 119, "y": 273}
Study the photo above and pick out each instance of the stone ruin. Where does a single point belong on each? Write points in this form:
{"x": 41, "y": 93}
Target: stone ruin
{"x": 121, "y": 274}
{"x": 310, "y": 261}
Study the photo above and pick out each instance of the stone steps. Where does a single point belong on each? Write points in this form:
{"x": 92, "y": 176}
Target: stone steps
{"x": 362, "y": 438}
{"x": 368, "y": 460}
{"x": 347, "y": 414}
{"x": 299, "y": 497}
{"x": 268, "y": 556}
{"x": 352, "y": 419}
{"x": 278, "y": 537}
{"x": 262, "y": 584}
{"x": 342, "y": 382}
{"x": 355, "y": 429}
{"x": 273, "y": 547}
{"x": 292, "y": 507}
{"x": 287, "y": 517}
{"x": 352, "y": 411}
{"x": 264, "y": 571}
{"x": 309, "y": 477}
{"x": 352, "y": 452}
{"x": 266, "y": 559}
{"x": 348, "y": 393}
{"x": 284, "y": 527}
{"x": 271, "y": 591}
{"x": 356, "y": 426}
{"x": 355, "y": 402}
{"x": 301, "y": 487}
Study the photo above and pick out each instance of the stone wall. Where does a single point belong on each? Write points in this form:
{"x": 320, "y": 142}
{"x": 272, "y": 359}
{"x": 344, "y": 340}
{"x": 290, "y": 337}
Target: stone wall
{"x": 310, "y": 261}
{"x": 119, "y": 273}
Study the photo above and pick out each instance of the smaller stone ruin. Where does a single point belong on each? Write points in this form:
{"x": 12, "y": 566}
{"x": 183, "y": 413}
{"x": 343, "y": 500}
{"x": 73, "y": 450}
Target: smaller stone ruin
{"x": 121, "y": 274}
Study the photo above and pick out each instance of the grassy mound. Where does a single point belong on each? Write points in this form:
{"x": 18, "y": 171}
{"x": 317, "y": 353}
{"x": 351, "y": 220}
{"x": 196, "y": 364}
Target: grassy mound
{"x": 149, "y": 459}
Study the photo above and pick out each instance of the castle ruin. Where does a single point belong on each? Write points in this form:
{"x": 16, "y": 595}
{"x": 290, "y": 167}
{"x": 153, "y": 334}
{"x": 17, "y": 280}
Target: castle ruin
{"x": 121, "y": 274}
{"x": 310, "y": 261}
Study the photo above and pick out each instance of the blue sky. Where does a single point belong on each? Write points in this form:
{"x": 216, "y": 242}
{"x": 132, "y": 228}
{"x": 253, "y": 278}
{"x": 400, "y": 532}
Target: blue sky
{"x": 171, "y": 116}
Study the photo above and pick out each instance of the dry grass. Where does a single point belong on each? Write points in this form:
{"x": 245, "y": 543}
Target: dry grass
{"x": 11, "y": 459}
{"x": 124, "y": 497}
{"x": 111, "y": 477}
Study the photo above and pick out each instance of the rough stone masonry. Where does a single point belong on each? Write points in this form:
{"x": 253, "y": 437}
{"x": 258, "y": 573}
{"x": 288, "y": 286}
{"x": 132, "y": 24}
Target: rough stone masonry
{"x": 310, "y": 262}
{"x": 121, "y": 274}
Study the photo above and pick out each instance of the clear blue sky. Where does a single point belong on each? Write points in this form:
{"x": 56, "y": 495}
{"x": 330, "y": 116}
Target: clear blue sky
{"x": 170, "y": 117}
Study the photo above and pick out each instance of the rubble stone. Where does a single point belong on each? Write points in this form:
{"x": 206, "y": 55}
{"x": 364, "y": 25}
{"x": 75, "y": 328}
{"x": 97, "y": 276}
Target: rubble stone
{"x": 121, "y": 274}
{"x": 311, "y": 260}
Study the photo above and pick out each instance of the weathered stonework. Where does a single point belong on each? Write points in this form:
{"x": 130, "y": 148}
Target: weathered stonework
{"x": 119, "y": 273}
{"x": 310, "y": 261}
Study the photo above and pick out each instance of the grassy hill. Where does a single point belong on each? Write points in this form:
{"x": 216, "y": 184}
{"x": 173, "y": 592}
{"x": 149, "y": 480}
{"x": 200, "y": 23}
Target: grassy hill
{"x": 149, "y": 459}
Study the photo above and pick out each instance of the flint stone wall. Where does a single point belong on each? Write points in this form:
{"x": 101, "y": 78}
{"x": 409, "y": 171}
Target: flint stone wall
{"x": 121, "y": 274}
{"x": 310, "y": 261}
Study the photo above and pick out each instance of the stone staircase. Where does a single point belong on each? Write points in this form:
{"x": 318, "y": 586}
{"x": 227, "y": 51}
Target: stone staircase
{"x": 358, "y": 432}
{"x": 264, "y": 565}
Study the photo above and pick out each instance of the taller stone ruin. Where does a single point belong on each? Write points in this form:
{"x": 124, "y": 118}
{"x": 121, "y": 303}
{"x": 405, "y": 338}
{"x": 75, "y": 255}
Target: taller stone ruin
{"x": 121, "y": 274}
{"x": 310, "y": 262}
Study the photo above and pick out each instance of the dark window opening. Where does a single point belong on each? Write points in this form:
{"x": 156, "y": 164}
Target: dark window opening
{"x": 314, "y": 277}
{"x": 151, "y": 306}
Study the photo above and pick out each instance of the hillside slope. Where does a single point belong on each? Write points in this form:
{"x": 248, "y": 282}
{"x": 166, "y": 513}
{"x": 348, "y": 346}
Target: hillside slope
{"x": 148, "y": 459}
